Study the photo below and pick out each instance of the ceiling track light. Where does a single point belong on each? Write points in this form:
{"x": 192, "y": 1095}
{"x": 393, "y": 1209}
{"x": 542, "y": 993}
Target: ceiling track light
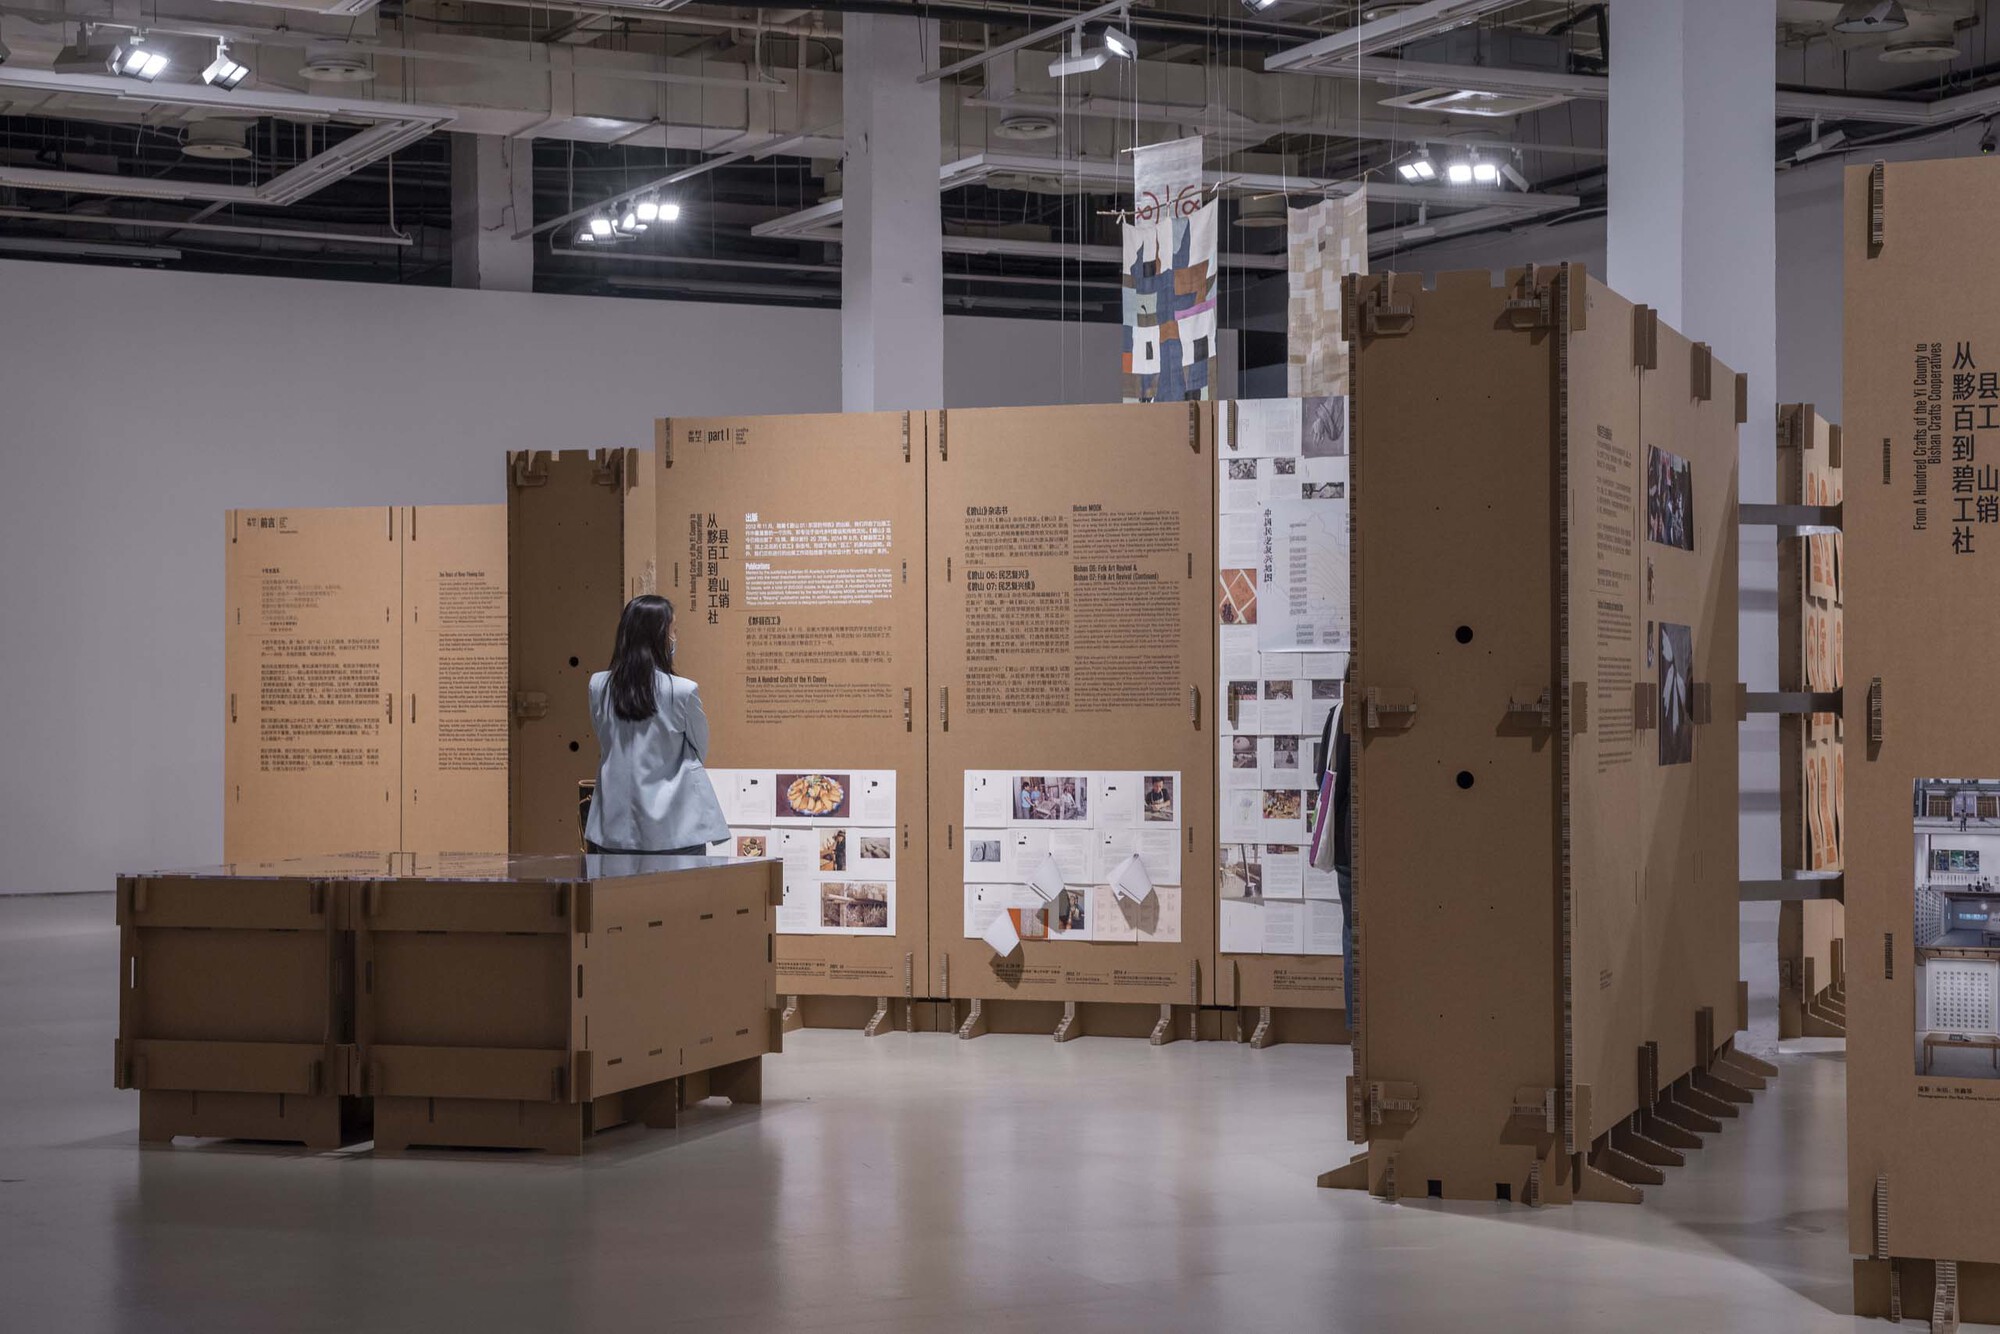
{"x": 1864, "y": 17}
{"x": 1119, "y": 43}
{"x": 1258, "y": 6}
{"x": 224, "y": 72}
{"x": 133, "y": 59}
{"x": 1419, "y": 169}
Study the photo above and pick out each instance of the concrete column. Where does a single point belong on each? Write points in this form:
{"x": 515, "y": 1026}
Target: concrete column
{"x": 1692, "y": 232}
{"x": 891, "y": 236}
{"x": 492, "y": 197}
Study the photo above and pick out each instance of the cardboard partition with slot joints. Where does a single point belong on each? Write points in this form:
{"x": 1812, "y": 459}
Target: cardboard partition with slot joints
{"x": 1100, "y": 687}
{"x": 365, "y": 656}
{"x": 581, "y": 542}
{"x": 809, "y": 610}
{"x": 1922, "y": 306}
{"x": 1509, "y": 976}
{"x": 1812, "y": 761}
{"x": 527, "y": 1002}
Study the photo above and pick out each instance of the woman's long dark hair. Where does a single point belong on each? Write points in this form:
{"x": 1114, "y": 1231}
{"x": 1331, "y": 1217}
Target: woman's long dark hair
{"x": 641, "y": 650}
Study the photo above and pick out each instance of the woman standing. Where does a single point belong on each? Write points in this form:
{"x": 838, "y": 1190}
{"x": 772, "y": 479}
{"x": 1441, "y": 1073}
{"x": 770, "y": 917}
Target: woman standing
{"x": 653, "y": 796}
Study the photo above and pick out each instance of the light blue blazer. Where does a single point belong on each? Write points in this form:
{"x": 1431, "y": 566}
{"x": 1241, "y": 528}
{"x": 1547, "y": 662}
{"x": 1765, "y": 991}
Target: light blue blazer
{"x": 652, "y": 793}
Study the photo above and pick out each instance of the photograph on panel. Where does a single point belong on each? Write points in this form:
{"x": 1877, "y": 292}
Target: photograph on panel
{"x": 852, "y": 906}
{"x": 833, "y": 849}
{"x": 1956, "y": 927}
{"x": 1065, "y": 798}
{"x": 1159, "y": 797}
{"x": 1669, "y": 499}
{"x": 813, "y": 796}
{"x": 1242, "y": 871}
{"x": 1325, "y": 434}
{"x": 1676, "y": 660}
{"x": 1236, "y": 590}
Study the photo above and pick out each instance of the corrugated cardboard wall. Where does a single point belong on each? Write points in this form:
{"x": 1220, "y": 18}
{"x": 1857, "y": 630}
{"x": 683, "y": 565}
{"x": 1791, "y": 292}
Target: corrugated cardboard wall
{"x": 1922, "y": 300}
{"x": 581, "y": 541}
{"x": 1124, "y": 677}
{"x": 821, "y": 666}
{"x": 365, "y": 665}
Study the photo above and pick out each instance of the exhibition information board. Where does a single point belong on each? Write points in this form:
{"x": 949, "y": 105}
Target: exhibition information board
{"x": 365, "y": 657}
{"x": 793, "y": 549}
{"x": 1920, "y": 831}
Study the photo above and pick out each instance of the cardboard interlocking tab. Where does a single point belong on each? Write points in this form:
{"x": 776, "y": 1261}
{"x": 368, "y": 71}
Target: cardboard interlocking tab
{"x": 1645, "y": 338}
{"x": 1701, "y": 373}
{"x": 1645, "y": 705}
{"x": 528, "y": 467}
{"x": 1579, "y": 706}
{"x": 1537, "y": 702}
{"x": 611, "y": 468}
{"x": 1396, "y": 704}
{"x": 1699, "y": 705}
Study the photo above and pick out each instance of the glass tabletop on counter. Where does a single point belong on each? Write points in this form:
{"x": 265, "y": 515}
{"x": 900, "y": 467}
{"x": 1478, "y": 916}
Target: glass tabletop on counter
{"x": 471, "y": 866}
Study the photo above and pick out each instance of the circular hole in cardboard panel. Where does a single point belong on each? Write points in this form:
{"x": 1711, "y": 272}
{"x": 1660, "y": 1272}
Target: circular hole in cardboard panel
{"x": 1464, "y": 775}
{"x": 1463, "y": 634}
{"x": 574, "y": 746}
{"x": 572, "y": 662}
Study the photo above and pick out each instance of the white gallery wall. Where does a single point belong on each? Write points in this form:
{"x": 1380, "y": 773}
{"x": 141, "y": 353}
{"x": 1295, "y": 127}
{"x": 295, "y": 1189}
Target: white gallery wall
{"x": 136, "y": 406}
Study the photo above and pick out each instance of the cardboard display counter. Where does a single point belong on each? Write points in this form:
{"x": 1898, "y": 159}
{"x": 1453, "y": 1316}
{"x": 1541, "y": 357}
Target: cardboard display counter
{"x": 1812, "y": 760}
{"x": 462, "y": 999}
{"x": 1922, "y": 523}
{"x": 1544, "y": 783}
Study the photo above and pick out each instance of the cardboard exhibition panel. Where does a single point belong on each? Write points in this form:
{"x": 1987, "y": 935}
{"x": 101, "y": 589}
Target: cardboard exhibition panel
{"x": 1687, "y": 815}
{"x": 1922, "y": 425}
{"x": 313, "y": 668}
{"x": 1456, "y": 836}
{"x": 1812, "y": 757}
{"x": 796, "y": 547}
{"x": 581, "y": 542}
{"x": 1545, "y": 832}
{"x": 1609, "y": 756}
{"x": 454, "y": 647}
{"x": 1071, "y": 557}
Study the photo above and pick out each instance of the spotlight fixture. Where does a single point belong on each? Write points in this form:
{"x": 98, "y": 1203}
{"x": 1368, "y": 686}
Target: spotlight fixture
{"x": 1458, "y": 171}
{"x": 1078, "y": 61}
{"x": 1871, "y": 16}
{"x": 1419, "y": 168}
{"x": 1986, "y": 143}
{"x": 648, "y": 209}
{"x": 1258, "y": 6}
{"x": 223, "y": 71}
{"x": 1514, "y": 177}
{"x": 1119, "y": 43}
{"x": 600, "y": 226}
{"x": 135, "y": 60}
{"x": 670, "y": 212}
{"x": 1485, "y": 173}
{"x": 585, "y": 236}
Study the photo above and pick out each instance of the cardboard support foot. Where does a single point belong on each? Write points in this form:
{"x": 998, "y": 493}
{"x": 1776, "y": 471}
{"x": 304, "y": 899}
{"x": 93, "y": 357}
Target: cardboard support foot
{"x": 975, "y": 1020}
{"x": 1261, "y": 1036}
{"x": 1625, "y": 1167}
{"x": 878, "y": 1022}
{"x": 1677, "y": 1113}
{"x": 1674, "y": 1136}
{"x": 792, "y": 1020}
{"x": 1071, "y": 1025}
{"x": 742, "y": 1082}
{"x": 1163, "y": 1030}
{"x": 1353, "y": 1176}
{"x": 1604, "y": 1188}
{"x": 1636, "y": 1144}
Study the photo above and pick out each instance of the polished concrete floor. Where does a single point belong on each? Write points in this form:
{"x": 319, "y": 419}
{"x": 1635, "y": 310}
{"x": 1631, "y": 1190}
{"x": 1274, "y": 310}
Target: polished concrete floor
{"x": 902, "y": 1183}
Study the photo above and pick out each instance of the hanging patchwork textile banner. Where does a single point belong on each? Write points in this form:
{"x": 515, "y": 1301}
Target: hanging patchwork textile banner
{"x": 1327, "y": 242}
{"x": 1169, "y": 256}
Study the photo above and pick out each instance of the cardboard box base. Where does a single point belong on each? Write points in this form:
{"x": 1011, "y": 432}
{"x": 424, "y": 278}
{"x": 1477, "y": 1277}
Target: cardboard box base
{"x": 1270, "y": 1025}
{"x": 556, "y": 1127}
{"x": 873, "y": 1015}
{"x": 1064, "y": 1020}
{"x": 1898, "y": 1289}
{"x": 327, "y": 1121}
